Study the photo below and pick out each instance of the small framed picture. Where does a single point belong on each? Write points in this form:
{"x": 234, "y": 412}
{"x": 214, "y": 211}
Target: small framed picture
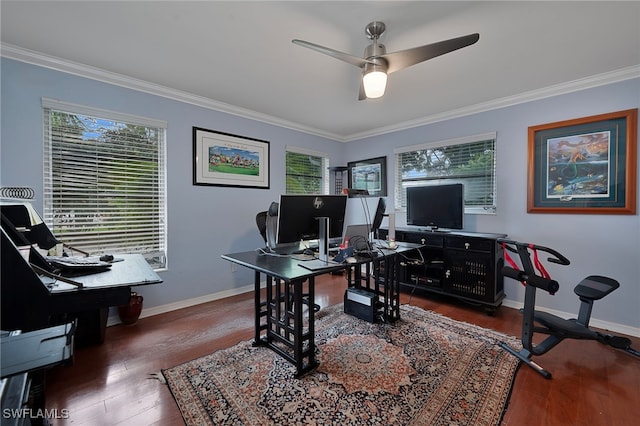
{"x": 223, "y": 159}
{"x": 369, "y": 175}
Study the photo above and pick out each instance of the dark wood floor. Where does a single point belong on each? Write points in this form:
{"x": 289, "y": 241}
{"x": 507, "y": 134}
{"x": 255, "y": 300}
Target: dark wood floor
{"x": 112, "y": 384}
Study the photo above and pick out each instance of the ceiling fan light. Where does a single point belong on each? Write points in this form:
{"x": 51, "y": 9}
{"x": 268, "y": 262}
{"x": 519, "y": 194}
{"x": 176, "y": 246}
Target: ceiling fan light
{"x": 375, "y": 83}
{"x": 374, "y": 79}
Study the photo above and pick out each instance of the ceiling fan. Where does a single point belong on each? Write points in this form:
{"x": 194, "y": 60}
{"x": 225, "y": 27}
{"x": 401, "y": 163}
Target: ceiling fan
{"x": 377, "y": 63}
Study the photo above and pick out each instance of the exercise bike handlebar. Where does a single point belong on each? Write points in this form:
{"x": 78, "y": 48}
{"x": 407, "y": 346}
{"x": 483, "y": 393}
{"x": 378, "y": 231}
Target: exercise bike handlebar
{"x": 558, "y": 258}
{"x": 546, "y": 284}
{"x": 509, "y": 272}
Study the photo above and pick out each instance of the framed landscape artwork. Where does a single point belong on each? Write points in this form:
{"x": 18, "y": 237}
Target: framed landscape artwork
{"x": 370, "y": 175}
{"x": 584, "y": 165}
{"x": 223, "y": 159}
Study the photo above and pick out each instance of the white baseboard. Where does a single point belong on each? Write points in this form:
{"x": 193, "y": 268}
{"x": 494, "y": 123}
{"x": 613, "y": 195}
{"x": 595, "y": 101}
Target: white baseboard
{"x": 114, "y": 319}
{"x": 604, "y": 325}
{"x": 156, "y": 310}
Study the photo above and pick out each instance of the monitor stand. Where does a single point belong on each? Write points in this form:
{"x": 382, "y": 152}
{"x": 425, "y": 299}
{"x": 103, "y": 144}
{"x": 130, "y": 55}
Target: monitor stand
{"x": 323, "y": 260}
{"x": 323, "y": 240}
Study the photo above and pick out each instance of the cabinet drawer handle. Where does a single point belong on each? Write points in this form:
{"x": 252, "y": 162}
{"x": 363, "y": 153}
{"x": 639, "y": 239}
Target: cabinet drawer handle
{"x": 467, "y": 245}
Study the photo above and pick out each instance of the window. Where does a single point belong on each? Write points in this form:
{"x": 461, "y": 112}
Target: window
{"x": 469, "y": 160}
{"x": 307, "y": 171}
{"x": 104, "y": 180}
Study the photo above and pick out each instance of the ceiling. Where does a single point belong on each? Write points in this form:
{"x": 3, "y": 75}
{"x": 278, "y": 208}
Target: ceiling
{"x": 237, "y": 56}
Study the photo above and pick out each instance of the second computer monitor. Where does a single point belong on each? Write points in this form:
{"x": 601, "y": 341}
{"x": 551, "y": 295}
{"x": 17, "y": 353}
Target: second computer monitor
{"x": 298, "y": 216}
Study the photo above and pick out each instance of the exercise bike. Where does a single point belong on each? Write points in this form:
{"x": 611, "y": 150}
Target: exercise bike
{"x": 593, "y": 287}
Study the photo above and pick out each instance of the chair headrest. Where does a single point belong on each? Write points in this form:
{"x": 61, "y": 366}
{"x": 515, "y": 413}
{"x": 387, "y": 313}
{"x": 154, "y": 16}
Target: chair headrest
{"x": 273, "y": 209}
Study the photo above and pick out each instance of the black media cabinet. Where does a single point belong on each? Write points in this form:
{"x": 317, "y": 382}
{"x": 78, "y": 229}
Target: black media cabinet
{"x": 463, "y": 265}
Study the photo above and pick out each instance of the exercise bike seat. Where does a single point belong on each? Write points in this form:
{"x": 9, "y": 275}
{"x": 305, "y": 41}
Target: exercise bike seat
{"x": 563, "y": 327}
{"x": 595, "y": 287}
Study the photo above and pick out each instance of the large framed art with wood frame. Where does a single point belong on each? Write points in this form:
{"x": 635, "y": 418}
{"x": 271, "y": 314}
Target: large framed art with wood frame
{"x": 223, "y": 159}
{"x": 585, "y": 165}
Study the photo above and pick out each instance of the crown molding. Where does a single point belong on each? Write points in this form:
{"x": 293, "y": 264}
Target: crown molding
{"x": 81, "y": 70}
{"x": 534, "y": 95}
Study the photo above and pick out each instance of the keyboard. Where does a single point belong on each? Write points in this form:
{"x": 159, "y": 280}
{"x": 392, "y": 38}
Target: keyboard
{"x": 315, "y": 247}
{"x": 77, "y": 262}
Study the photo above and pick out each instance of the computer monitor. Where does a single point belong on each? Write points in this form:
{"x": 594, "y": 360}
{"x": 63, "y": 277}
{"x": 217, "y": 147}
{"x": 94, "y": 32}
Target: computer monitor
{"x": 298, "y": 217}
{"x": 378, "y": 216}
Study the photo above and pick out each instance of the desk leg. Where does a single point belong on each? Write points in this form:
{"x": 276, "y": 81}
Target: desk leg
{"x": 357, "y": 276}
{"x": 297, "y": 326}
{"x": 377, "y": 280}
{"x": 379, "y": 270}
{"x": 392, "y": 280}
{"x": 388, "y": 289}
{"x": 280, "y": 321}
{"x": 386, "y": 276}
{"x": 260, "y": 308}
{"x": 367, "y": 276}
{"x": 380, "y": 276}
{"x": 257, "y": 303}
{"x": 303, "y": 352}
{"x": 313, "y": 363}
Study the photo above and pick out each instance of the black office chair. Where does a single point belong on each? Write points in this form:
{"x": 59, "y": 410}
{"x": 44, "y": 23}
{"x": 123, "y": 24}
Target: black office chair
{"x": 593, "y": 287}
{"x": 266, "y": 221}
{"x": 261, "y": 223}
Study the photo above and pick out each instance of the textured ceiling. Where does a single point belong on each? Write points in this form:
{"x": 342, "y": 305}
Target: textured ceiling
{"x": 238, "y": 56}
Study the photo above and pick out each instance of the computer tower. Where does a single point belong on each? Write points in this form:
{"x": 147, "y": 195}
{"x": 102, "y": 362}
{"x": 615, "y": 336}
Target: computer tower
{"x": 361, "y": 304}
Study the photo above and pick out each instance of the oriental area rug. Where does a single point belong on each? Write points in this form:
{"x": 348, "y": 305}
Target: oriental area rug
{"x": 425, "y": 369}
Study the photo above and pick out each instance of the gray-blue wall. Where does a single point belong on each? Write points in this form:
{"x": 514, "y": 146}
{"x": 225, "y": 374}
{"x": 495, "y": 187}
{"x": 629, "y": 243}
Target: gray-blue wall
{"x": 595, "y": 244}
{"x": 205, "y": 222}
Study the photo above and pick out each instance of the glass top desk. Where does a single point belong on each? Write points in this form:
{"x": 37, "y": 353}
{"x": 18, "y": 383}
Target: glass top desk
{"x": 281, "y": 321}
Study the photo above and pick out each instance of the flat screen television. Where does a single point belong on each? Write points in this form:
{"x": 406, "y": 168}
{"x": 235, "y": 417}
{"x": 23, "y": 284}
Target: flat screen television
{"x": 436, "y": 206}
{"x": 297, "y": 217}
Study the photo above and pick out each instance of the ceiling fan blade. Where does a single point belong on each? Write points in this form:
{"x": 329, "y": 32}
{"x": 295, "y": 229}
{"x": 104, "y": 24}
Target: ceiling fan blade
{"x": 350, "y": 59}
{"x": 361, "y": 94}
{"x": 405, "y": 58}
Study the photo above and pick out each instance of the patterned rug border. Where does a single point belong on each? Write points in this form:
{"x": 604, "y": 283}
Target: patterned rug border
{"x": 194, "y": 386}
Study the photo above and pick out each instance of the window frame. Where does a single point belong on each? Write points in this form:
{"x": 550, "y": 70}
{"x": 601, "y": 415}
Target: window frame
{"x": 156, "y": 257}
{"x": 400, "y": 193}
{"x": 324, "y": 169}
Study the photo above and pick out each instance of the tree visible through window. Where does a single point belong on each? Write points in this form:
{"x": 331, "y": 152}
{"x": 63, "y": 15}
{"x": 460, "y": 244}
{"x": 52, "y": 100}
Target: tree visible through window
{"x": 105, "y": 182}
{"x": 470, "y": 161}
{"x": 306, "y": 172}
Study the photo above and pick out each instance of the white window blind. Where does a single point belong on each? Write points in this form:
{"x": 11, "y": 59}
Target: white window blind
{"x": 105, "y": 188}
{"x": 470, "y": 160}
{"x": 307, "y": 172}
